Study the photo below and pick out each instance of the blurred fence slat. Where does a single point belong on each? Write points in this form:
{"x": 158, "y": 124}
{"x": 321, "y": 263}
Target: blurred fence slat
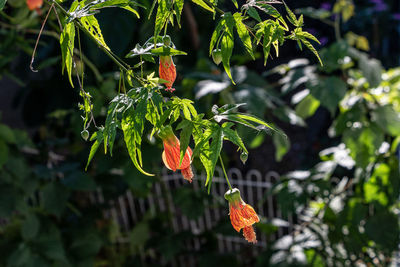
{"x": 128, "y": 210}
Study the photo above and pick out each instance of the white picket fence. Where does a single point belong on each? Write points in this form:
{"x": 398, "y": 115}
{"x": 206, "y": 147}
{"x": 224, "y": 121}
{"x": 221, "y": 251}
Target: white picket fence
{"x": 127, "y": 210}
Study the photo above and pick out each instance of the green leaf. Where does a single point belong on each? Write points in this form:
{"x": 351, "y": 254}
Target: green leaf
{"x": 7, "y": 134}
{"x": 312, "y": 49}
{"x": 270, "y": 10}
{"x": 306, "y": 35}
{"x": 152, "y": 8}
{"x": 372, "y": 70}
{"x": 202, "y": 148}
{"x": 307, "y": 107}
{"x": 282, "y": 146}
{"x": 161, "y": 16}
{"x": 227, "y": 43}
{"x": 204, "y": 5}
{"x": 252, "y": 118}
{"x": 292, "y": 17}
{"x": 314, "y": 13}
{"x": 376, "y": 187}
{"x": 30, "y": 227}
{"x": 388, "y": 119}
{"x": 253, "y": 13}
{"x": 3, "y": 153}
{"x": 55, "y": 198}
{"x": 201, "y": 140}
{"x": 2, "y": 4}
{"x": 67, "y": 49}
{"x": 188, "y": 104}
{"x": 178, "y": 6}
{"x": 216, "y": 34}
{"x": 235, "y": 3}
{"x": 125, "y": 4}
{"x": 99, "y": 139}
{"x": 363, "y": 143}
{"x": 8, "y": 199}
{"x": 90, "y": 23}
{"x": 142, "y": 50}
{"x": 329, "y": 91}
{"x": 226, "y": 109}
{"x": 377, "y": 227}
{"x": 139, "y": 235}
{"x": 87, "y": 244}
{"x": 167, "y": 51}
{"x": 132, "y": 126}
{"x": 234, "y": 118}
{"x": 215, "y": 150}
{"x": 395, "y": 144}
{"x": 187, "y": 129}
{"x": 233, "y": 136}
{"x": 21, "y": 256}
{"x": 243, "y": 33}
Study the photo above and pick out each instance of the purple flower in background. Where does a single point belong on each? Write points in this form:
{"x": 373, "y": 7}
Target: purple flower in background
{"x": 323, "y": 40}
{"x": 396, "y": 16}
{"x": 379, "y": 5}
{"x": 312, "y": 31}
{"x": 326, "y": 6}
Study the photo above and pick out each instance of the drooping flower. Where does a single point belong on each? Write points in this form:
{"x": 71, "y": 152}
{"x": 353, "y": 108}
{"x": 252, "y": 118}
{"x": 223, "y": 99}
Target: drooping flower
{"x": 242, "y": 215}
{"x": 34, "y": 5}
{"x": 167, "y": 71}
{"x": 171, "y": 154}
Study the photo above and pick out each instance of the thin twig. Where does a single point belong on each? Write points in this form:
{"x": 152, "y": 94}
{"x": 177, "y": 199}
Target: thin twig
{"x": 38, "y": 38}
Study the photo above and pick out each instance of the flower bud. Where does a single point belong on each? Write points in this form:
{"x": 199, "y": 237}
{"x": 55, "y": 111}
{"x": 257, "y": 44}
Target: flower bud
{"x": 85, "y": 135}
{"x": 166, "y": 40}
{"x": 217, "y": 56}
{"x": 244, "y": 156}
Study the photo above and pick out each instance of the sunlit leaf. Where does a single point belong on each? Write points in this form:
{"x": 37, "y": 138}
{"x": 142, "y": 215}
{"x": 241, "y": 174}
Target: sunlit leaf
{"x": 67, "y": 39}
{"x": 131, "y": 135}
{"x": 98, "y": 137}
{"x": 166, "y": 51}
{"x": 227, "y": 43}
{"x": 187, "y": 128}
{"x": 93, "y": 27}
{"x": 2, "y": 4}
{"x": 178, "y": 6}
{"x": 388, "y": 119}
{"x": 203, "y": 5}
{"x": 243, "y": 33}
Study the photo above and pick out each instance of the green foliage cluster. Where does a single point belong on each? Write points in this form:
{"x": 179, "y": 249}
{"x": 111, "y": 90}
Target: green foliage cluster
{"x": 348, "y": 202}
{"x": 130, "y": 110}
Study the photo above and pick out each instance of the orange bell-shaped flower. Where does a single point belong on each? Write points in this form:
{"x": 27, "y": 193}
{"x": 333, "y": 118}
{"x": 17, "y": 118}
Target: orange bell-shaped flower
{"x": 167, "y": 71}
{"x": 242, "y": 215}
{"x": 171, "y": 154}
{"x": 34, "y": 5}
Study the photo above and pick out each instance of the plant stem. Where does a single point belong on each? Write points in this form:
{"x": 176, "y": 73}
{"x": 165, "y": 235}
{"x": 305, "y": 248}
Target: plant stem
{"x": 223, "y": 169}
{"x": 141, "y": 67}
{"x": 337, "y": 27}
{"x": 105, "y": 50}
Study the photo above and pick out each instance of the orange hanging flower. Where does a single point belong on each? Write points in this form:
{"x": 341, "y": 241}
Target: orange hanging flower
{"x": 34, "y": 5}
{"x": 242, "y": 215}
{"x": 167, "y": 71}
{"x": 171, "y": 154}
